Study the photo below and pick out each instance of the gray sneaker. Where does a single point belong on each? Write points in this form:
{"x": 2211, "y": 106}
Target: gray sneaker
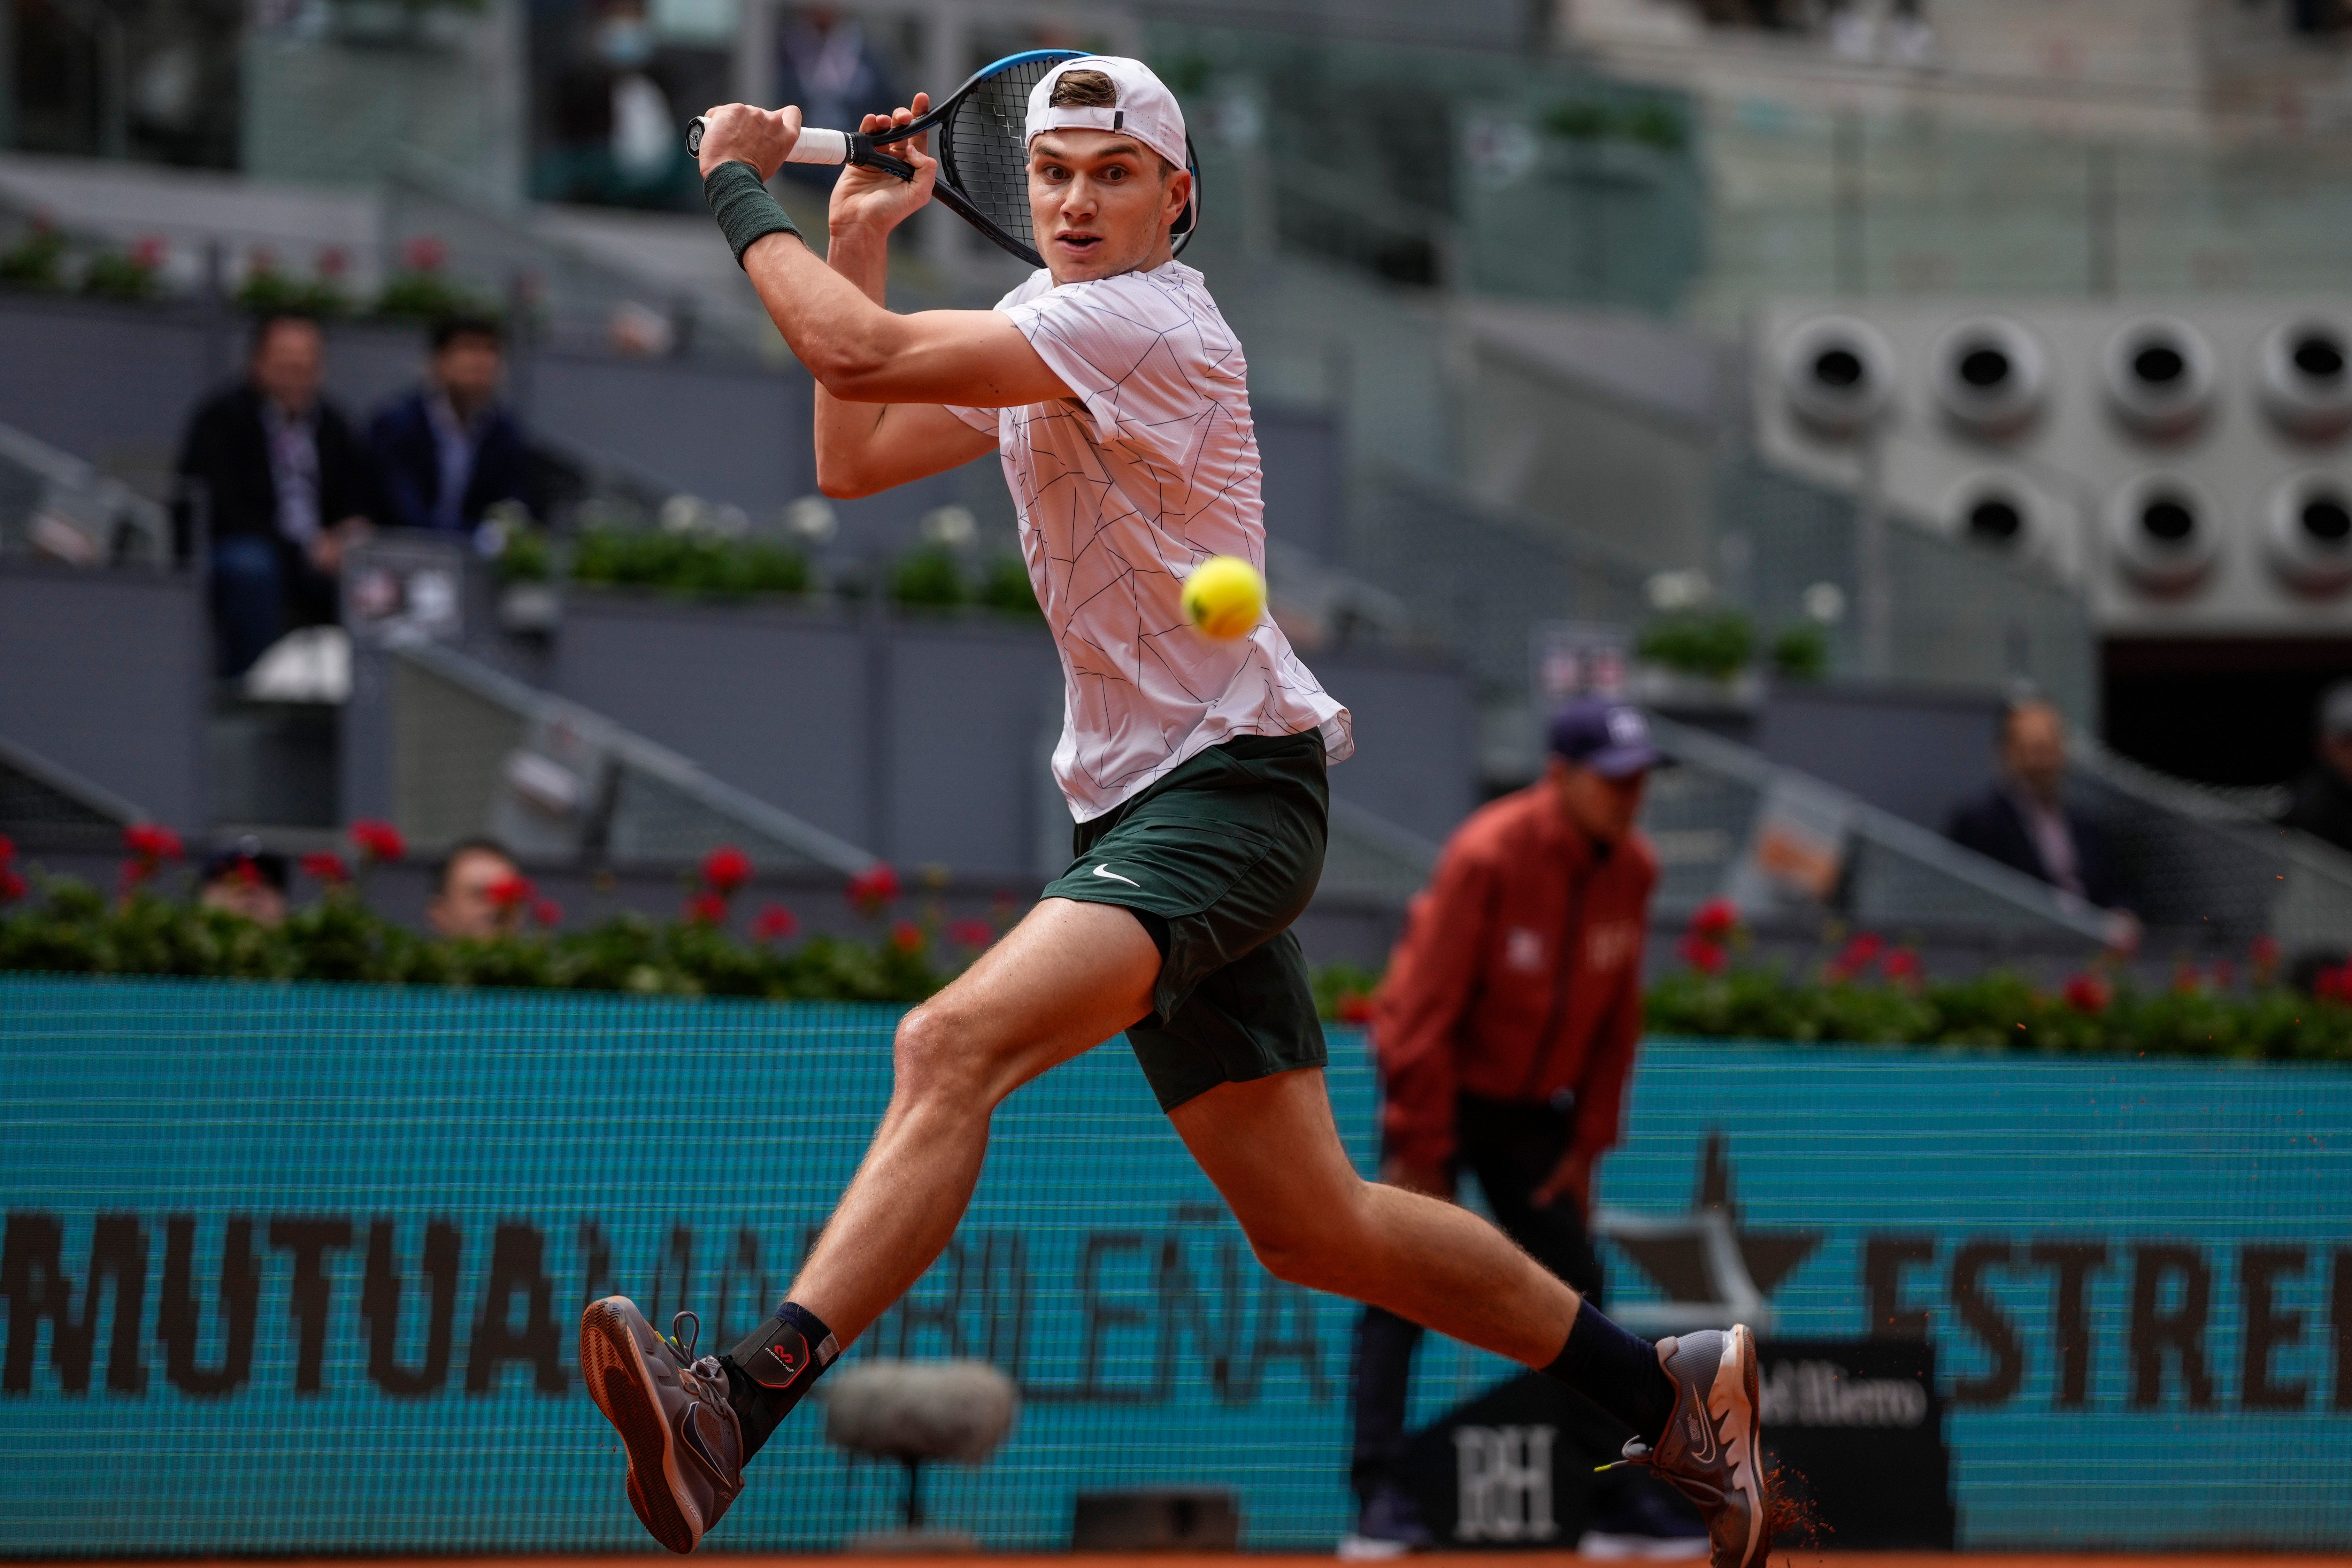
{"x": 1712, "y": 1449}
{"x": 685, "y": 1448}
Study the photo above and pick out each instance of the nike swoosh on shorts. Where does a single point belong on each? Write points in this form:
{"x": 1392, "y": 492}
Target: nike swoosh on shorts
{"x": 1105, "y": 871}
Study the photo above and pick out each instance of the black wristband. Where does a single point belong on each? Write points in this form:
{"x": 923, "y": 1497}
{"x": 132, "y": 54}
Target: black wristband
{"x": 746, "y": 212}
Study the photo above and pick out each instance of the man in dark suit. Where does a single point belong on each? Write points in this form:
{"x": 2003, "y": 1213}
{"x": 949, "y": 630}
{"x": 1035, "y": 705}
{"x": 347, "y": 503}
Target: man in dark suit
{"x": 2322, "y": 804}
{"x": 282, "y": 486}
{"x": 446, "y": 451}
{"x": 2023, "y": 821}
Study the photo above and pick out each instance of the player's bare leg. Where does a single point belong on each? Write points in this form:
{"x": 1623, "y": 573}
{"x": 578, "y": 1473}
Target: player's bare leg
{"x": 1274, "y": 1154}
{"x": 1069, "y": 977}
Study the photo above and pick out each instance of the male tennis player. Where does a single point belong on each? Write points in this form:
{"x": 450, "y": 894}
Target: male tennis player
{"x": 1195, "y": 770}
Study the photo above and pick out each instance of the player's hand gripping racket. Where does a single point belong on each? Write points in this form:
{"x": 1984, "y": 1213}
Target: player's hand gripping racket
{"x": 983, "y": 157}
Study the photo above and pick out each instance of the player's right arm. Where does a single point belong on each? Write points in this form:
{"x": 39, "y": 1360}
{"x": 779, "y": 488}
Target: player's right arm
{"x": 883, "y": 379}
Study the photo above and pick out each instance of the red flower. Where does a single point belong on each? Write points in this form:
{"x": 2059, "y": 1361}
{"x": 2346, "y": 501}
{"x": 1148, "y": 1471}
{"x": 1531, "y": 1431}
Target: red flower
{"x": 2225, "y": 974}
{"x": 2334, "y": 983}
{"x": 1355, "y": 1007}
{"x": 706, "y": 909}
{"x": 776, "y": 923}
{"x": 147, "y": 254}
{"x": 378, "y": 841}
{"x": 247, "y": 871}
{"x": 1861, "y": 950}
{"x": 906, "y": 937}
{"x": 971, "y": 933}
{"x": 548, "y": 913}
{"x": 1715, "y": 919}
{"x": 2262, "y": 953}
{"x": 152, "y": 842}
{"x": 874, "y": 889}
{"x": 326, "y": 865}
{"x": 1902, "y": 964}
{"x": 2089, "y": 994}
{"x": 425, "y": 253}
{"x": 12, "y": 885}
{"x": 1707, "y": 957}
{"x": 725, "y": 870}
{"x": 2186, "y": 981}
{"x": 508, "y": 894}
{"x": 8, "y": 849}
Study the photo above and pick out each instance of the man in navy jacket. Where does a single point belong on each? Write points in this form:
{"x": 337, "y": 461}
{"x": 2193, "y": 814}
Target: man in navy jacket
{"x": 446, "y": 452}
{"x": 2023, "y": 821}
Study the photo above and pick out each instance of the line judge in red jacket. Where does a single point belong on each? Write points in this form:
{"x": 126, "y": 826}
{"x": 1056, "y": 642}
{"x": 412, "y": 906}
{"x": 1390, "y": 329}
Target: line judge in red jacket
{"x": 1505, "y": 1032}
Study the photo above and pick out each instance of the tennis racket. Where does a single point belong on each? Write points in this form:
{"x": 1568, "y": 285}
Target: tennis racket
{"x": 983, "y": 157}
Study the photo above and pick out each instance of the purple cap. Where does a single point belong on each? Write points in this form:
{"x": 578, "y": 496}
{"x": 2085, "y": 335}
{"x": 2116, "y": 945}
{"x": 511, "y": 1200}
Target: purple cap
{"x": 1612, "y": 738}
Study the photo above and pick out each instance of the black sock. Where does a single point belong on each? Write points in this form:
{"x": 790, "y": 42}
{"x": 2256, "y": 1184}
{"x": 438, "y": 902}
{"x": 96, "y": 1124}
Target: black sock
{"x": 775, "y": 1366}
{"x": 1617, "y": 1370}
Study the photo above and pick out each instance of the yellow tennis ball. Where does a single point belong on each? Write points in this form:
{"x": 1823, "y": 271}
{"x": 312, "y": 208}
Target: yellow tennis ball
{"x": 1224, "y": 597}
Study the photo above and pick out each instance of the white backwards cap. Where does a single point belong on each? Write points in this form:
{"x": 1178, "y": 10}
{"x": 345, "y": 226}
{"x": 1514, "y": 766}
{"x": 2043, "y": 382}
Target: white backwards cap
{"x": 1142, "y": 107}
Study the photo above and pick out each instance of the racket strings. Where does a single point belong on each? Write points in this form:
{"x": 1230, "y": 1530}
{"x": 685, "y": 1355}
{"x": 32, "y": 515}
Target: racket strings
{"x": 987, "y": 152}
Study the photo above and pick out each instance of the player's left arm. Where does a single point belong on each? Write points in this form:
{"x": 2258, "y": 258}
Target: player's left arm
{"x": 859, "y": 352}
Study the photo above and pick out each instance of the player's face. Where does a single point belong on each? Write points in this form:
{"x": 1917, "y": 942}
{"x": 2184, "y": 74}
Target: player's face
{"x": 1101, "y": 204}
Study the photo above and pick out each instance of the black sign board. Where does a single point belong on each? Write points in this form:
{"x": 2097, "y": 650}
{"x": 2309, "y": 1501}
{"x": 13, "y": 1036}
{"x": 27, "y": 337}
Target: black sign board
{"x": 1853, "y": 1427}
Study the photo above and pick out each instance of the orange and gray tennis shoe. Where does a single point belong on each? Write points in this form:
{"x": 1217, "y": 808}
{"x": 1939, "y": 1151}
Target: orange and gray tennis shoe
{"x": 1711, "y": 1450}
{"x": 684, "y": 1440}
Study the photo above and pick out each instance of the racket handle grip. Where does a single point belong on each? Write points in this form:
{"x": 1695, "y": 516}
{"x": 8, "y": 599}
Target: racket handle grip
{"x": 818, "y": 145}
{"x": 815, "y": 146}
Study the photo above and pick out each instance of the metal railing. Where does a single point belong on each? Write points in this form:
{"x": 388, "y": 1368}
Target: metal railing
{"x": 476, "y": 752}
{"x": 47, "y": 805}
{"x": 1705, "y": 816}
{"x": 54, "y": 504}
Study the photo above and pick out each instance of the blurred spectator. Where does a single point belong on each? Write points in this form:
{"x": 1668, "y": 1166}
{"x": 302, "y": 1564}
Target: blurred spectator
{"x": 2323, "y": 797}
{"x": 474, "y": 895}
{"x": 618, "y": 137}
{"x": 446, "y": 452}
{"x": 826, "y": 64}
{"x": 245, "y": 879}
{"x": 284, "y": 487}
{"x": 2023, "y": 821}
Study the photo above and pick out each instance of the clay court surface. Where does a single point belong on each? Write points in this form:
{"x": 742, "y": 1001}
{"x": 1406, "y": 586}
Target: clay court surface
{"x": 1302, "y": 1560}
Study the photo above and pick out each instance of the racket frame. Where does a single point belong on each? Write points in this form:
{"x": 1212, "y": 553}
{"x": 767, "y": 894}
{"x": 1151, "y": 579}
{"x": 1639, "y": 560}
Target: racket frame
{"x": 818, "y": 145}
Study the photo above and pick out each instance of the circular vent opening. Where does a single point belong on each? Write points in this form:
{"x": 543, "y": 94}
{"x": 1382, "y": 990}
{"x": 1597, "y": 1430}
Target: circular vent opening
{"x": 2304, "y": 375}
{"x": 1837, "y": 374}
{"x": 1995, "y": 520}
{"x": 2159, "y": 375}
{"x": 2160, "y": 529}
{"x": 2327, "y": 521}
{"x": 1838, "y": 368}
{"x": 2307, "y": 535}
{"x": 2168, "y": 521}
{"x": 1985, "y": 368}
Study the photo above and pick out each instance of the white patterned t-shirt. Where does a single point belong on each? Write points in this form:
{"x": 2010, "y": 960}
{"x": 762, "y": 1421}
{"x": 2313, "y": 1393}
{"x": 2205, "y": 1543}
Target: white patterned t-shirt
{"x": 1151, "y": 469}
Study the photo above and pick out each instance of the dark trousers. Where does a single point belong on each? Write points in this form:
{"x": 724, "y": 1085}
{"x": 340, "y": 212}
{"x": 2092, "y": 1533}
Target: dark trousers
{"x": 262, "y": 588}
{"x": 1510, "y": 1149}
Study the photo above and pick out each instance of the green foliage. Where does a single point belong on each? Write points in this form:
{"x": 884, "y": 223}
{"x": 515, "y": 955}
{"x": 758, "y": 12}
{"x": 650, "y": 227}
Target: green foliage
{"x": 1717, "y": 643}
{"x": 1801, "y": 652}
{"x": 118, "y": 275}
{"x": 1647, "y": 125}
{"x": 267, "y": 291}
{"x": 525, "y": 556}
{"x": 35, "y": 261}
{"x": 71, "y": 928}
{"x": 688, "y": 563}
{"x": 1998, "y": 1010}
{"x": 1004, "y": 588}
{"x": 422, "y": 294}
{"x": 2006, "y": 1011}
{"x": 929, "y": 578}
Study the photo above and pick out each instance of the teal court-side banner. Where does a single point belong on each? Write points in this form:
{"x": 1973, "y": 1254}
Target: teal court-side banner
{"x": 294, "y": 1268}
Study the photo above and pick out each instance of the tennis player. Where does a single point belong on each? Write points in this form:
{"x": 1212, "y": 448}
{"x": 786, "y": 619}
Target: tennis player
{"x": 1118, "y": 399}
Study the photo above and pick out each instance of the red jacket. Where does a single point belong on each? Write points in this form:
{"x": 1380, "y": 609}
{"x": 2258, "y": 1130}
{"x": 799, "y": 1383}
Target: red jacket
{"x": 1519, "y": 976}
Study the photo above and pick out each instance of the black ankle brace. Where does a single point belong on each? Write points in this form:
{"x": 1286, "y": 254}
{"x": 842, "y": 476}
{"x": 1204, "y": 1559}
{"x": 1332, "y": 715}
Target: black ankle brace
{"x": 773, "y": 1367}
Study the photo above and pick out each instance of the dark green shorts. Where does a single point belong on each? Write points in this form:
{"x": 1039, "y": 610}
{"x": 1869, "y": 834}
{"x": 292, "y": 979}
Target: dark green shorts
{"x": 1216, "y": 860}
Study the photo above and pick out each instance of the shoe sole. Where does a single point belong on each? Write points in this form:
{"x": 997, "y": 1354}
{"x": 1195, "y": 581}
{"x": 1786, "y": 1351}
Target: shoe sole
{"x": 1605, "y": 1548}
{"x": 616, "y": 1372}
{"x": 1370, "y": 1549}
{"x": 1735, "y": 1407}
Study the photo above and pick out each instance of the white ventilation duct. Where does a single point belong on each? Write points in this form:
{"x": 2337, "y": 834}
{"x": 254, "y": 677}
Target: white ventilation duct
{"x": 2308, "y": 533}
{"x": 2000, "y": 513}
{"x": 2160, "y": 377}
{"x": 1990, "y": 376}
{"x": 1838, "y": 374}
{"x": 2164, "y": 531}
{"x": 2304, "y": 377}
